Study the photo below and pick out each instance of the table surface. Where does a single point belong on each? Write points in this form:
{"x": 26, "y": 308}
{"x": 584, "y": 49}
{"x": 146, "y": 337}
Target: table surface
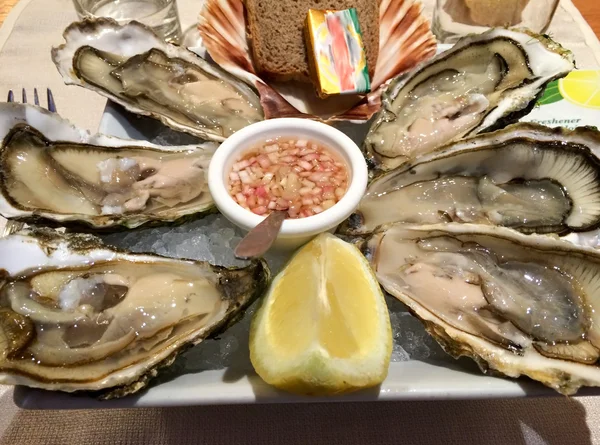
{"x": 590, "y": 9}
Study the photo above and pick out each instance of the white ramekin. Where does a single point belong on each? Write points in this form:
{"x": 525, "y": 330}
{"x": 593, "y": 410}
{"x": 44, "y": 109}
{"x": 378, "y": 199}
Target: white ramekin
{"x": 294, "y": 232}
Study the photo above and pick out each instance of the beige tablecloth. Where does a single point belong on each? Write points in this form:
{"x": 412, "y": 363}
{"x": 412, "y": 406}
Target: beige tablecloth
{"x": 25, "y": 40}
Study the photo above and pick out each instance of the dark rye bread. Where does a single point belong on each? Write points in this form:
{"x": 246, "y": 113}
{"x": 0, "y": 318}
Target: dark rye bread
{"x": 276, "y": 33}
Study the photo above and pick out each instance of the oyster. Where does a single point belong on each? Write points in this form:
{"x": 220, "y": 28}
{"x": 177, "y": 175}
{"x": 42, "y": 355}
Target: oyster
{"x": 133, "y": 67}
{"x": 528, "y": 177}
{"x": 52, "y": 125}
{"x": 95, "y": 180}
{"x": 482, "y": 83}
{"x": 517, "y": 304}
{"x": 78, "y": 315}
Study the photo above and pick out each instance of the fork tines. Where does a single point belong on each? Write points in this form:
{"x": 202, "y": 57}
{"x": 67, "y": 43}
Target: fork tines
{"x": 36, "y": 99}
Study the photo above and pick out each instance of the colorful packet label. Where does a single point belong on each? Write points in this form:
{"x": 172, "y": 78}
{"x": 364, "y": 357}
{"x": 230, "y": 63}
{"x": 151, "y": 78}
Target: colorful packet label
{"x": 573, "y": 101}
{"x": 336, "y": 54}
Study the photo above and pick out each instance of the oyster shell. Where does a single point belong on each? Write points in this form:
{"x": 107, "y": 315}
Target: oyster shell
{"x": 133, "y": 67}
{"x": 51, "y": 125}
{"x": 405, "y": 39}
{"x": 78, "y": 315}
{"x": 528, "y": 177}
{"x": 483, "y": 83}
{"x": 95, "y": 180}
{"x": 517, "y": 304}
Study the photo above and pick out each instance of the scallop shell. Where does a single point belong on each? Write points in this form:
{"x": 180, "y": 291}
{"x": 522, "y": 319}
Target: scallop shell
{"x": 405, "y": 40}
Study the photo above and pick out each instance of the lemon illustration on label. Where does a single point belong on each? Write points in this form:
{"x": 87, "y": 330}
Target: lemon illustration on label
{"x": 581, "y": 88}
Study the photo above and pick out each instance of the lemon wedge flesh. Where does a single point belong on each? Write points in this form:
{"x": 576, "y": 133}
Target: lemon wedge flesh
{"x": 323, "y": 327}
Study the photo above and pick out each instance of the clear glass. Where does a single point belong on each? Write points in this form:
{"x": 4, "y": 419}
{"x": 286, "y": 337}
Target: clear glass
{"x": 191, "y": 37}
{"x": 453, "y": 19}
{"x": 160, "y": 15}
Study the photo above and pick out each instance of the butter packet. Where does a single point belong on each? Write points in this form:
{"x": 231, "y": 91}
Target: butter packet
{"x": 573, "y": 101}
{"x": 336, "y": 55}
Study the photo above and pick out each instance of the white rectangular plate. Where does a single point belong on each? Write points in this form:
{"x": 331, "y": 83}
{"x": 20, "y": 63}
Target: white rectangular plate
{"x": 439, "y": 379}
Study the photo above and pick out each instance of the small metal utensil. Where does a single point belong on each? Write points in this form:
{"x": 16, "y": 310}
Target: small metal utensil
{"x": 261, "y": 238}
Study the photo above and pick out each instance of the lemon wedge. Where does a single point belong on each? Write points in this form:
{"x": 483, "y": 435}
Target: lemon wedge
{"x": 323, "y": 327}
{"x": 581, "y": 88}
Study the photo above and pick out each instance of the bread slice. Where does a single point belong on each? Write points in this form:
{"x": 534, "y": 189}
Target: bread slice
{"x": 276, "y": 32}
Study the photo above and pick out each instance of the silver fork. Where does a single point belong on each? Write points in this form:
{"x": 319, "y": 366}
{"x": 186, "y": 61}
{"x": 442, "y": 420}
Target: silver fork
{"x": 7, "y": 227}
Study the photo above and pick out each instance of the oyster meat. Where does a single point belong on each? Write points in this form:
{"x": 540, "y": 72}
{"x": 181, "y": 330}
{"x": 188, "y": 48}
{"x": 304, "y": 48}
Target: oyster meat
{"x": 528, "y": 177}
{"x": 483, "y": 83}
{"x": 98, "y": 181}
{"x": 76, "y": 315}
{"x": 133, "y": 67}
{"x": 517, "y": 304}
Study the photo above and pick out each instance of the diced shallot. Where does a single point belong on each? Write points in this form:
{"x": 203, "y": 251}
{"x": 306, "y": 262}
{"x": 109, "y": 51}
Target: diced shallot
{"x": 306, "y": 151}
{"x": 245, "y": 177}
{"x": 305, "y": 165}
{"x": 261, "y": 192}
{"x": 299, "y": 176}
{"x": 328, "y": 204}
{"x": 264, "y": 161}
{"x": 267, "y": 177}
{"x": 328, "y": 193}
{"x": 260, "y": 210}
{"x": 240, "y": 165}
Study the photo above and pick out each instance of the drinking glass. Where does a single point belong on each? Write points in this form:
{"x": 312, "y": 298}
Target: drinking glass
{"x": 160, "y": 15}
{"x": 453, "y": 19}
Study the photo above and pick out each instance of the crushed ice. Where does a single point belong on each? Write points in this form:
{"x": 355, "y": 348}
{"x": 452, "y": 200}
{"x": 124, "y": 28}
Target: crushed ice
{"x": 211, "y": 239}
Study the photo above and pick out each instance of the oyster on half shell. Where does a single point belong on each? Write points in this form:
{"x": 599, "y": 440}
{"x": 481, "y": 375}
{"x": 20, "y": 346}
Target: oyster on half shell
{"x": 483, "y": 83}
{"x": 517, "y": 304}
{"x": 133, "y": 67}
{"x": 528, "y": 177}
{"x": 50, "y": 170}
{"x": 76, "y": 315}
